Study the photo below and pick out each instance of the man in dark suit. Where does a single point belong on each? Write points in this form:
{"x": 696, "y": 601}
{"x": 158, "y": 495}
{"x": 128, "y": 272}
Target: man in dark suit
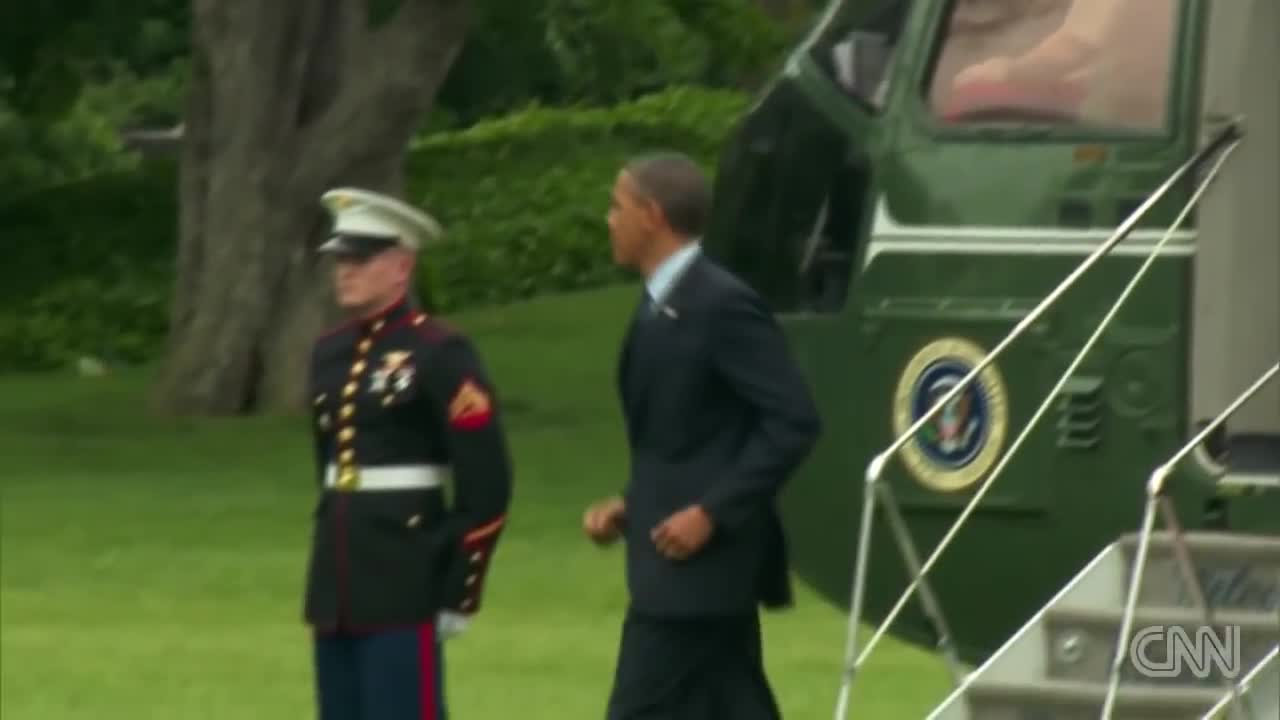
{"x": 717, "y": 417}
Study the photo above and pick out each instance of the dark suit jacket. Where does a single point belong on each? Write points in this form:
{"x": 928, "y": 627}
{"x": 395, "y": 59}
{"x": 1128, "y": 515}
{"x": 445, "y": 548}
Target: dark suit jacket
{"x": 716, "y": 414}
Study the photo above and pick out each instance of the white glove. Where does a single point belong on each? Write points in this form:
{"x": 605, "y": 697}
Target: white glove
{"x": 450, "y": 624}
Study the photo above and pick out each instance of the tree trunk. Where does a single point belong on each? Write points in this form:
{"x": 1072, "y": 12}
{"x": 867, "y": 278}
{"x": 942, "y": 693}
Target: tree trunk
{"x": 286, "y": 99}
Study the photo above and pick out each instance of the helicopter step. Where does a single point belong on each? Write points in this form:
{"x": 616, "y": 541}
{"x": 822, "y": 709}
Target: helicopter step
{"x": 1065, "y": 700}
{"x": 1181, "y": 661}
{"x": 1259, "y": 690}
{"x": 1236, "y": 571}
{"x": 1068, "y": 700}
{"x": 1082, "y": 643}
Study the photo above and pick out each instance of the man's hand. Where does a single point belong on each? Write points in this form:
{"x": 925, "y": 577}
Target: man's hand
{"x": 683, "y": 534}
{"x": 450, "y": 624}
{"x": 603, "y": 521}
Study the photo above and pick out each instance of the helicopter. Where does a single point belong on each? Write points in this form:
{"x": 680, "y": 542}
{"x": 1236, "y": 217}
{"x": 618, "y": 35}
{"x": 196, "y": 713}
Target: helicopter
{"x": 925, "y": 182}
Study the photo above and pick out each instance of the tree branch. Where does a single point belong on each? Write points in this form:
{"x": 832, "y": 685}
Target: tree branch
{"x": 385, "y": 93}
{"x": 422, "y": 34}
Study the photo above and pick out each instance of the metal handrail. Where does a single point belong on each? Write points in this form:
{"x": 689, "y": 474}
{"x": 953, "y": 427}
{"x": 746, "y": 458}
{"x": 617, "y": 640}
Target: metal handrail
{"x": 1044, "y": 406}
{"x": 1155, "y": 492}
{"x": 875, "y": 469}
{"x": 1243, "y": 685}
{"x": 1051, "y": 395}
{"x": 1160, "y": 475}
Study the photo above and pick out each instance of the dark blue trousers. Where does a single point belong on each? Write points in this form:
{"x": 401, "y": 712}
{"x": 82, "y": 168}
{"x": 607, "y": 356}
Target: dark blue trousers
{"x": 381, "y": 675}
{"x": 709, "y": 668}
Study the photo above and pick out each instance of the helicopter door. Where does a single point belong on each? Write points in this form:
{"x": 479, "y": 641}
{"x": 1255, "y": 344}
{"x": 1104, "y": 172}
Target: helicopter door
{"x": 786, "y": 192}
{"x": 792, "y": 189}
{"x": 1236, "y": 331}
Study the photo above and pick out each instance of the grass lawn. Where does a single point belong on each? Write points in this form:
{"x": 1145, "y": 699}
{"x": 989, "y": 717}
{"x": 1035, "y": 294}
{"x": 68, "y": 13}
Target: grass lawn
{"x": 153, "y": 570}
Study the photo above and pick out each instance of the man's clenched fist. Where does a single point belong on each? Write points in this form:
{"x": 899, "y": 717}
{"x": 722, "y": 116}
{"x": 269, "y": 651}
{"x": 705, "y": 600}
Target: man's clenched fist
{"x": 603, "y": 521}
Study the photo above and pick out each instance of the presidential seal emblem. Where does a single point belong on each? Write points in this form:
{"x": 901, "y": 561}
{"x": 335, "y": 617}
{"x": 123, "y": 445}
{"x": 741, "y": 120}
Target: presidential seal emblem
{"x": 961, "y": 442}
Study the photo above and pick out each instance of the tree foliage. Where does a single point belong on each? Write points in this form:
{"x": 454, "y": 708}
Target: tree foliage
{"x": 74, "y": 74}
{"x": 522, "y": 199}
{"x": 71, "y": 73}
{"x": 281, "y": 100}
{"x": 50, "y": 49}
{"x": 561, "y": 52}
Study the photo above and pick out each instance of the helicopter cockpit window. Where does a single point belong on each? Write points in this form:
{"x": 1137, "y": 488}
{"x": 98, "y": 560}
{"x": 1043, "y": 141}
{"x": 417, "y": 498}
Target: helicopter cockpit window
{"x": 858, "y": 53}
{"x": 1086, "y": 63}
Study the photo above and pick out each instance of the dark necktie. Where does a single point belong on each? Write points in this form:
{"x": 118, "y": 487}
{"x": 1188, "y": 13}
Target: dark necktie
{"x": 645, "y": 308}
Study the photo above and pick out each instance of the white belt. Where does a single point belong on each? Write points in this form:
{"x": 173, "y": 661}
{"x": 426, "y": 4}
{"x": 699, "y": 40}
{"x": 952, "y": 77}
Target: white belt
{"x": 391, "y": 477}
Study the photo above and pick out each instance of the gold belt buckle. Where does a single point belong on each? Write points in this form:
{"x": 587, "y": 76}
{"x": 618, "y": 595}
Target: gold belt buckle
{"x": 348, "y": 478}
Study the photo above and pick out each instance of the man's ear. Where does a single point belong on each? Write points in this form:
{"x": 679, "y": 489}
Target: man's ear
{"x": 408, "y": 260}
{"x": 654, "y": 217}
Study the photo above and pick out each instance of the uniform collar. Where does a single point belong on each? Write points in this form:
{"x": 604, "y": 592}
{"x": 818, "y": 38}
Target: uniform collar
{"x": 659, "y": 283}
{"x": 399, "y": 311}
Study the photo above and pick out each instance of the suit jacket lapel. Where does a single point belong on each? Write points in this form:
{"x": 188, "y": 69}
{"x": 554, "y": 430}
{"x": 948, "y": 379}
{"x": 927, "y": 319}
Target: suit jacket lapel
{"x": 643, "y": 353}
{"x": 626, "y": 357}
{"x": 640, "y": 360}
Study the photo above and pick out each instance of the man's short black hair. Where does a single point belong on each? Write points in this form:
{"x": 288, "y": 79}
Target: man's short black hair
{"x": 676, "y": 184}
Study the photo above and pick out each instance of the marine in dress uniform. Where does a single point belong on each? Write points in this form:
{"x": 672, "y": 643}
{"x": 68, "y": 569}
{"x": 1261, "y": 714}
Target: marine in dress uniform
{"x": 402, "y": 408}
{"x": 717, "y": 418}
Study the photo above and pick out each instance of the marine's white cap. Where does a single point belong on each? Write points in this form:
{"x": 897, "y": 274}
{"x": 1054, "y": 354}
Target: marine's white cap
{"x": 366, "y": 222}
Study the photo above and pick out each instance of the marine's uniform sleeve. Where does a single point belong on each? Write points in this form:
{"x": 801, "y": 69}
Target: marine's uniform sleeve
{"x": 319, "y": 417}
{"x": 482, "y": 473}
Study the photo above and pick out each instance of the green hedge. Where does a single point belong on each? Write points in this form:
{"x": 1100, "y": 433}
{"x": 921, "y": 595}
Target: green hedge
{"x": 523, "y": 200}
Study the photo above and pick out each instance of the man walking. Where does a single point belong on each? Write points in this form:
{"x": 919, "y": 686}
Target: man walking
{"x": 717, "y": 418}
{"x": 401, "y": 406}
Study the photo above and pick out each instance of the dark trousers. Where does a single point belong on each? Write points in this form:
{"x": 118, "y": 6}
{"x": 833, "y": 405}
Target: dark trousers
{"x": 387, "y": 675}
{"x": 691, "y": 669}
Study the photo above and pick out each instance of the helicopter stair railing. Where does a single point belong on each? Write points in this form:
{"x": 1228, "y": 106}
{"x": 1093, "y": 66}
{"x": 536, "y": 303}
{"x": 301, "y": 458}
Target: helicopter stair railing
{"x": 1265, "y": 672}
{"x": 874, "y": 489}
{"x": 1157, "y": 500}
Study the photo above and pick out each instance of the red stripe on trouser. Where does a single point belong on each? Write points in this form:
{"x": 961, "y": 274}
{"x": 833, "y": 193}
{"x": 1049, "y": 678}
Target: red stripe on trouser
{"x": 427, "y": 671}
